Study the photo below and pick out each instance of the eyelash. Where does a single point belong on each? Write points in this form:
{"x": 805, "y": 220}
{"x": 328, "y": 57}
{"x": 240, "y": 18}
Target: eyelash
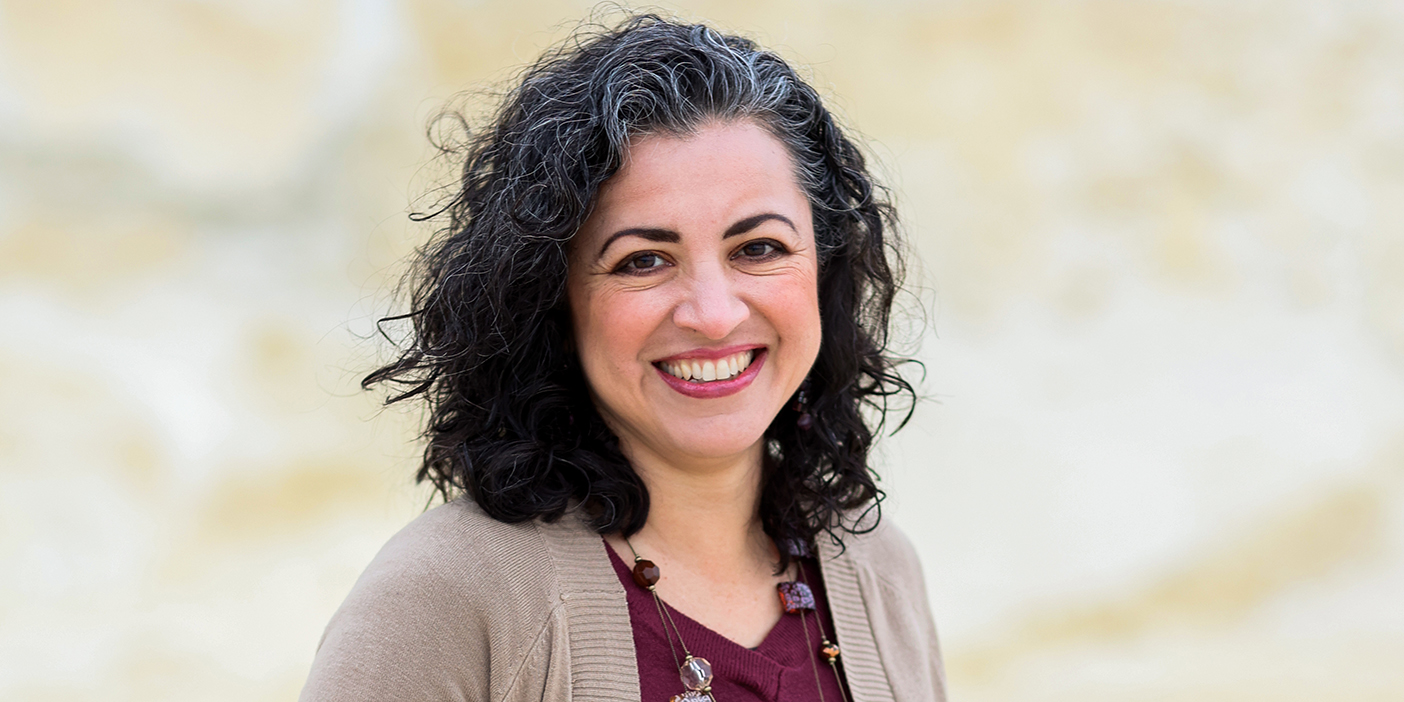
{"x": 627, "y": 269}
{"x": 775, "y": 251}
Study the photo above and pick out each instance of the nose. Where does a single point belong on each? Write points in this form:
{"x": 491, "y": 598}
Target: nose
{"x": 711, "y": 306}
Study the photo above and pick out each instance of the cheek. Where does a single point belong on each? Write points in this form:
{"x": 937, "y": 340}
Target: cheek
{"x": 611, "y": 329}
{"x": 790, "y": 306}
{"x": 793, "y": 305}
{"x": 803, "y": 311}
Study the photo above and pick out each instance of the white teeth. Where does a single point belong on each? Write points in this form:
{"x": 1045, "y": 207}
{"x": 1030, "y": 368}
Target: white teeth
{"x": 706, "y": 371}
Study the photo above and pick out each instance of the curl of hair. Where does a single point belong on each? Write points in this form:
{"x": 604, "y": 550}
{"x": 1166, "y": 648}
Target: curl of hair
{"x": 510, "y": 422}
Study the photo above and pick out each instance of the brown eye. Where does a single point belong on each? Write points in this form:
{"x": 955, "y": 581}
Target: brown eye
{"x": 644, "y": 261}
{"x": 759, "y": 249}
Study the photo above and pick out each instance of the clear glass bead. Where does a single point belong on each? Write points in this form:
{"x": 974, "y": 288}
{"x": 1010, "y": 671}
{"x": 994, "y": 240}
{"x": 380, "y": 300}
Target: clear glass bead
{"x": 696, "y": 673}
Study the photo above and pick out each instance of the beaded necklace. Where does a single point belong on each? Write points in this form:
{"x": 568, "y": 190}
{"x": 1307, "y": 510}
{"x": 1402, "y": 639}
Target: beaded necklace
{"x": 695, "y": 672}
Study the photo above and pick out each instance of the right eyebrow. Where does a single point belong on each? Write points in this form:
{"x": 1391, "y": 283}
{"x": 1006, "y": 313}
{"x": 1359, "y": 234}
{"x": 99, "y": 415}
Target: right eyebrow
{"x": 662, "y": 236}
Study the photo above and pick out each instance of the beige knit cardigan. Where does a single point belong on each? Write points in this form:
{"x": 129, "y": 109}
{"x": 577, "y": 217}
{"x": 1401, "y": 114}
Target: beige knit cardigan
{"x": 459, "y": 606}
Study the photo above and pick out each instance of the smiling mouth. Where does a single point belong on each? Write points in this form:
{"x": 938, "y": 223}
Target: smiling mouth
{"x": 699, "y": 370}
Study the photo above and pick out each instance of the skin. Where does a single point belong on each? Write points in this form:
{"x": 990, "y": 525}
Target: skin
{"x": 699, "y": 243}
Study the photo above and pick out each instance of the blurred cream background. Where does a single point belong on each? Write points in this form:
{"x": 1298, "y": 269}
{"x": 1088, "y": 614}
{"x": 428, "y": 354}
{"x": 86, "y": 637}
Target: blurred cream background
{"x": 1162, "y": 243}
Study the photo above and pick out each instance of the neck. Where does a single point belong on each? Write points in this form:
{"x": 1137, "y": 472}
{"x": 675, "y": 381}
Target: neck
{"x": 707, "y": 514}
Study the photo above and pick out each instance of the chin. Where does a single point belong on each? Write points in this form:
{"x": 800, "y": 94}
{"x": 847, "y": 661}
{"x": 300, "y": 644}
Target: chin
{"x": 718, "y": 443}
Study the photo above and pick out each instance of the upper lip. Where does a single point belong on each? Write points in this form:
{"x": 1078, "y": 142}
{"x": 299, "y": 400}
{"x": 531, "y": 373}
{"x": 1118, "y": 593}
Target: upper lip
{"x": 710, "y": 354}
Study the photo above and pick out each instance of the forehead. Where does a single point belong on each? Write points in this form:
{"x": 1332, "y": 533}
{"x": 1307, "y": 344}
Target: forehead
{"x": 738, "y": 144}
{"x": 721, "y": 171}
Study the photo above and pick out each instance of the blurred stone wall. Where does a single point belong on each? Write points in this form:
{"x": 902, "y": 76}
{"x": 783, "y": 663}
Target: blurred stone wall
{"x": 1161, "y": 244}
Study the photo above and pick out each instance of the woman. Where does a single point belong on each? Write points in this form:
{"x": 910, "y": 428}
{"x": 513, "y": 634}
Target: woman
{"x": 644, "y": 338}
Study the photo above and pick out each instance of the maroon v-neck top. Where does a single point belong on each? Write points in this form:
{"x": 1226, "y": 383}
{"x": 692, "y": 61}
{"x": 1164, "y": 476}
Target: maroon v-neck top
{"x": 778, "y": 670}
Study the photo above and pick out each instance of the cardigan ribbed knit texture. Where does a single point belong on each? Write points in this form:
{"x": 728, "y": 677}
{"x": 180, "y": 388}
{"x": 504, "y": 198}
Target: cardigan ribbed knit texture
{"x": 459, "y": 606}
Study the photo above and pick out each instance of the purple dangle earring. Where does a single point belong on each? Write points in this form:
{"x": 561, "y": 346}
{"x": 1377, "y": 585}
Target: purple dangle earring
{"x": 801, "y": 405}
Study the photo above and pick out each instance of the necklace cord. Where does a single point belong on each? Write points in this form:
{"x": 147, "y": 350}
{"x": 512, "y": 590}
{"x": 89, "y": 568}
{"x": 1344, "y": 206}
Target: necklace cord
{"x": 667, "y": 618}
{"x": 658, "y": 602}
{"x": 809, "y": 646}
{"x": 833, "y": 660}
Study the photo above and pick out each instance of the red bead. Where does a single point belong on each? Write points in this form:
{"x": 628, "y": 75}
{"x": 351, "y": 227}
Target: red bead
{"x": 646, "y": 574}
{"x": 831, "y": 652}
{"x": 795, "y": 596}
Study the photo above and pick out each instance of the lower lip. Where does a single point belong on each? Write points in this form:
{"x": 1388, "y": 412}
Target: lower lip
{"x": 715, "y": 388}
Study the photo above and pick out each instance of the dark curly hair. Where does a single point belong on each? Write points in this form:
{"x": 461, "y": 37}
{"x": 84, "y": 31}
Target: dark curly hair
{"x": 510, "y": 420}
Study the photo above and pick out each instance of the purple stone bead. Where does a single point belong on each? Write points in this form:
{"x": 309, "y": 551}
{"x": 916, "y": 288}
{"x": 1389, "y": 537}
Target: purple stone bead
{"x": 795, "y": 596}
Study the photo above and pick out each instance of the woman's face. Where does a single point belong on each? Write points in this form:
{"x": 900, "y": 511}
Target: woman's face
{"x": 693, "y": 289}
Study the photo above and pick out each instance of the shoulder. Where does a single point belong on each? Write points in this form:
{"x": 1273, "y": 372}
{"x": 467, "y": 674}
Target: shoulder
{"x": 887, "y": 553}
{"x": 458, "y": 549}
{"x": 452, "y": 594}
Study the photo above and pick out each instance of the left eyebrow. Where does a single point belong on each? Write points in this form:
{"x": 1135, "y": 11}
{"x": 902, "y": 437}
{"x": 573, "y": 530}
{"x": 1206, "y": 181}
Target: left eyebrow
{"x": 754, "y": 221}
{"x": 665, "y": 236}
{"x": 672, "y": 237}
